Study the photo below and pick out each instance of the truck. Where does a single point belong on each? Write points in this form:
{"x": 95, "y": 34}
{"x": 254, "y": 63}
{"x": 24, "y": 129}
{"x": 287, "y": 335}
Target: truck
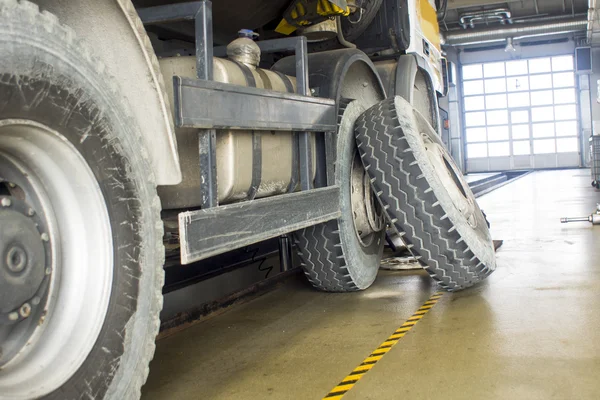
{"x": 127, "y": 125}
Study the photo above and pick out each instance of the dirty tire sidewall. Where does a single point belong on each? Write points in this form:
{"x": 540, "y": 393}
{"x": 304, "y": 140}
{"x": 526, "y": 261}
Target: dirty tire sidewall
{"x": 454, "y": 254}
{"x": 425, "y": 99}
{"x": 332, "y": 257}
{"x": 47, "y": 76}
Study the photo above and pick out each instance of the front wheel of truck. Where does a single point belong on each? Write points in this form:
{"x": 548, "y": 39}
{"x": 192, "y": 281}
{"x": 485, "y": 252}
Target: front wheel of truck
{"x": 81, "y": 250}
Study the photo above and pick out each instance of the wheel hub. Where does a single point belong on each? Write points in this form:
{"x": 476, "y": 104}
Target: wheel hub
{"x": 55, "y": 259}
{"x": 22, "y": 256}
{"x": 25, "y": 263}
{"x": 448, "y": 173}
{"x": 368, "y": 217}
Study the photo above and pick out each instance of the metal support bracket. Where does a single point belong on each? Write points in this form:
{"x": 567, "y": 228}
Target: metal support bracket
{"x": 215, "y": 105}
{"x": 207, "y": 105}
{"x": 205, "y": 233}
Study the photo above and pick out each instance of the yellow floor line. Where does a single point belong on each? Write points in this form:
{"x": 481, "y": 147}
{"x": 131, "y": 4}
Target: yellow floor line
{"x": 352, "y": 379}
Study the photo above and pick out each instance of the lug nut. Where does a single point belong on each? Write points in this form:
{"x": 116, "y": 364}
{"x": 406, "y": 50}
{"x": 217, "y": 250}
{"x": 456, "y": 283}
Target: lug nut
{"x": 48, "y": 271}
{"x": 45, "y": 237}
{"x": 25, "y": 310}
{"x": 16, "y": 259}
{"x": 31, "y": 212}
{"x": 12, "y": 185}
{"x": 13, "y": 316}
{"x": 5, "y": 202}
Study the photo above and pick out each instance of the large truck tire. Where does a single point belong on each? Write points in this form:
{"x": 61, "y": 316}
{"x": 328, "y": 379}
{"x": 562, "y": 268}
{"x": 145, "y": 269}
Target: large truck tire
{"x": 424, "y": 195}
{"x": 81, "y": 251}
{"x": 343, "y": 255}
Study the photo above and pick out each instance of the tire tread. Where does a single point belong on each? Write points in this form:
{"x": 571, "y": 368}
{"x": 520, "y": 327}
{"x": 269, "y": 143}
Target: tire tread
{"x": 409, "y": 202}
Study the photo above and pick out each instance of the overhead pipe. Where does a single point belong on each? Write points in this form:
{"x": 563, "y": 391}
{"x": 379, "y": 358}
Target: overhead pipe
{"x": 467, "y": 19}
{"x": 590, "y": 19}
{"x": 515, "y": 31}
{"x": 532, "y": 19}
{"x": 486, "y": 20}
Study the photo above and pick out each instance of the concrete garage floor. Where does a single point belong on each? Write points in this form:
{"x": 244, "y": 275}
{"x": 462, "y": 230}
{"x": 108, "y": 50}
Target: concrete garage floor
{"x": 531, "y": 331}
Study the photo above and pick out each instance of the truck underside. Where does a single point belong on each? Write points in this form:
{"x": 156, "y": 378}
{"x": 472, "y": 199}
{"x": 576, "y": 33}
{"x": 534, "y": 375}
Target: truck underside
{"x": 229, "y": 17}
{"x": 127, "y": 128}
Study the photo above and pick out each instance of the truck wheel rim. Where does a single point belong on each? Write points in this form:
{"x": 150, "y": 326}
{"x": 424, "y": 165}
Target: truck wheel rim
{"x": 44, "y": 178}
{"x": 449, "y": 175}
{"x": 367, "y": 214}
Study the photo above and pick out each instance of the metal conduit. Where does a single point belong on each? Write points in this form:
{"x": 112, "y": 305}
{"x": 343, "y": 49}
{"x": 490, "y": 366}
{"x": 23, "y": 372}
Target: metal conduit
{"x": 503, "y": 14}
{"x": 591, "y": 16}
{"x": 515, "y": 31}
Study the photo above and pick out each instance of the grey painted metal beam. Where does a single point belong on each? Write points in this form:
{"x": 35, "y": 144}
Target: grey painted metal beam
{"x": 205, "y": 233}
{"x": 169, "y": 13}
{"x": 214, "y": 105}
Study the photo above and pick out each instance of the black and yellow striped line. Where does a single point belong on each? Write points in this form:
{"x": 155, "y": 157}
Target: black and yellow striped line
{"x": 368, "y": 363}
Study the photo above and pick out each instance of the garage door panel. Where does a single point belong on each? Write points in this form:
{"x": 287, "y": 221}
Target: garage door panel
{"x": 500, "y": 163}
{"x": 542, "y": 161}
{"x": 478, "y": 165}
{"x": 568, "y": 159}
{"x": 521, "y": 114}
{"x": 522, "y": 162}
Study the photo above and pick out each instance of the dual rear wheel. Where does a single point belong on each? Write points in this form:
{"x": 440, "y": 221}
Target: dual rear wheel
{"x": 420, "y": 191}
{"x": 417, "y": 187}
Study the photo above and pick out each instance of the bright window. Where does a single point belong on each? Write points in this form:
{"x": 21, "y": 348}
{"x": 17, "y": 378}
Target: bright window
{"x": 516, "y": 100}
{"x": 517, "y": 83}
{"x": 496, "y": 133}
{"x": 564, "y": 96}
{"x": 516, "y": 68}
{"x": 543, "y": 130}
{"x": 472, "y": 71}
{"x": 537, "y": 82}
{"x": 566, "y": 145}
{"x": 566, "y": 128}
{"x": 495, "y": 101}
{"x": 476, "y": 135}
{"x": 519, "y": 117}
{"x": 497, "y": 117}
{"x": 493, "y": 70}
{"x": 520, "y": 107}
{"x": 521, "y": 148}
{"x": 477, "y": 150}
{"x": 474, "y": 103}
{"x": 499, "y": 149}
{"x": 541, "y": 98}
{"x": 497, "y": 85}
{"x": 544, "y": 146}
{"x": 562, "y": 63}
{"x": 520, "y": 131}
{"x": 475, "y": 118}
